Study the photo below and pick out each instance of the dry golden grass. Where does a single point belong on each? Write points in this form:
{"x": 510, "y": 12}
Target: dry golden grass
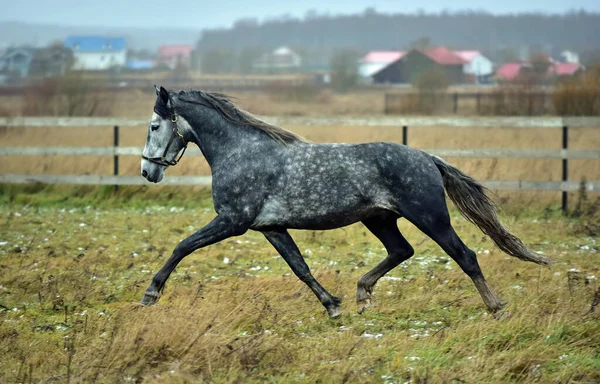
{"x": 71, "y": 278}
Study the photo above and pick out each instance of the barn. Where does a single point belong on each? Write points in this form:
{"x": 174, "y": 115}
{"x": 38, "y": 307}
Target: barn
{"x": 375, "y": 61}
{"x": 418, "y": 61}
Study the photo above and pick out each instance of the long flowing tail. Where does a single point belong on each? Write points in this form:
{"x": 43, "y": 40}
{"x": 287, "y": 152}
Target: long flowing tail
{"x": 473, "y": 203}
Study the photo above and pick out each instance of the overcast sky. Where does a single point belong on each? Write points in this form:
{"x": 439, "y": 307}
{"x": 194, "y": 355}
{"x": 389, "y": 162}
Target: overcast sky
{"x": 201, "y": 14}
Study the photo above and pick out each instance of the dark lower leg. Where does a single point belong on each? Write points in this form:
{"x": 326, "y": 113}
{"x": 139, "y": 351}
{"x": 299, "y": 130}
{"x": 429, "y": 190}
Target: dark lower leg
{"x": 467, "y": 260}
{"x": 218, "y": 229}
{"x": 287, "y": 248}
{"x": 435, "y": 223}
{"x": 491, "y": 300}
{"x": 399, "y": 250}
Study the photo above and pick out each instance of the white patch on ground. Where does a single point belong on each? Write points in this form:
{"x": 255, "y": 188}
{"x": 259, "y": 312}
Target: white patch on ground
{"x": 375, "y": 336}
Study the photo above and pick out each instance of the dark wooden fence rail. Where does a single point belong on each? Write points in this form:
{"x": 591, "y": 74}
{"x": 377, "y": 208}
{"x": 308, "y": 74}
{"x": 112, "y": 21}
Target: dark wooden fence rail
{"x": 384, "y": 121}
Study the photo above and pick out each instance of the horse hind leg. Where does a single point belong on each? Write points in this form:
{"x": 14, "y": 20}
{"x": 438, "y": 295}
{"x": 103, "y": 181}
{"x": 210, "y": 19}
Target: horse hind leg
{"x": 467, "y": 260}
{"x": 399, "y": 250}
{"x": 437, "y": 226}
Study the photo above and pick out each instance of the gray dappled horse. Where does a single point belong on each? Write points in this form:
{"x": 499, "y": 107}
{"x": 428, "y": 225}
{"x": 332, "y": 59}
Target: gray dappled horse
{"x": 268, "y": 179}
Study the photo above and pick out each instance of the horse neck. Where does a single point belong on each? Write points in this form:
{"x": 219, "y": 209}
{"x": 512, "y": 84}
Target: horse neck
{"x": 221, "y": 140}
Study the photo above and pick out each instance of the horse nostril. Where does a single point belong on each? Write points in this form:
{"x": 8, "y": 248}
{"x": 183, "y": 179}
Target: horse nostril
{"x": 144, "y": 173}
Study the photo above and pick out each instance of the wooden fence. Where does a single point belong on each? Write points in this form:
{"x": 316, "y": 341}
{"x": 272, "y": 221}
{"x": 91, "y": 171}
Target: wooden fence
{"x": 480, "y": 103}
{"x": 383, "y": 121}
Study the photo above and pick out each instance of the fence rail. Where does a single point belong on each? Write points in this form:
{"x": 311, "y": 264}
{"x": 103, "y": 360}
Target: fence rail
{"x": 443, "y": 152}
{"x": 564, "y": 123}
{"x": 353, "y": 121}
{"x": 521, "y": 103}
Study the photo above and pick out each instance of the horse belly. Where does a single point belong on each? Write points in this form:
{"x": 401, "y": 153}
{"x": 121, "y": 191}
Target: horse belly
{"x": 311, "y": 214}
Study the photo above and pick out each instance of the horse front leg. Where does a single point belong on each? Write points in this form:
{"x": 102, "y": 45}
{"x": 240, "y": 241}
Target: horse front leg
{"x": 287, "y": 248}
{"x": 220, "y": 228}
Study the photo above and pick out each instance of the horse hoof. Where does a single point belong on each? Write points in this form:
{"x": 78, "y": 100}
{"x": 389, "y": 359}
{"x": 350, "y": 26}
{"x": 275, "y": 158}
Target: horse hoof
{"x": 498, "y": 306}
{"x": 363, "y": 305}
{"x": 334, "y": 312}
{"x": 501, "y": 315}
{"x": 149, "y": 298}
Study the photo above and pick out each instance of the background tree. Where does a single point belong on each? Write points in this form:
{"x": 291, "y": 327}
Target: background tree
{"x": 50, "y": 61}
{"x": 371, "y": 30}
{"x": 246, "y": 59}
{"x": 421, "y": 43}
{"x": 344, "y": 72}
{"x": 218, "y": 61}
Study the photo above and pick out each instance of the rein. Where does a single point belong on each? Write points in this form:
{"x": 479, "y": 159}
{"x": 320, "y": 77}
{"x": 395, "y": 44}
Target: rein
{"x": 162, "y": 160}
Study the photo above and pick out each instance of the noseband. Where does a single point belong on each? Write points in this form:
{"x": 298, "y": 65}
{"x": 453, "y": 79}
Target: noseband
{"x": 162, "y": 160}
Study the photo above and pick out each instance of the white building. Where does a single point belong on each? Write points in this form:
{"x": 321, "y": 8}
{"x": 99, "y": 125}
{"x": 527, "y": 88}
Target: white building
{"x": 97, "y": 53}
{"x": 477, "y": 65}
{"x": 569, "y": 57}
{"x": 282, "y": 59}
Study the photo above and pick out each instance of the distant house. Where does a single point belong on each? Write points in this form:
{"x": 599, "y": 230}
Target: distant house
{"x": 97, "y": 53}
{"x": 477, "y": 66}
{"x": 175, "y": 55}
{"x": 15, "y": 62}
{"x": 511, "y": 72}
{"x": 565, "y": 69}
{"x": 281, "y": 60}
{"x": 51, "y": 61}
{"x": 375, "y": 61}
{"x": 569, "y": 57}
{"x": 418, "y": 61}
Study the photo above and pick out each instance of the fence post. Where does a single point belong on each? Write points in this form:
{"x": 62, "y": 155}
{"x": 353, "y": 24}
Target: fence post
{"x": 116, "y": 157}
{"x": 565, "y": 167}
{"x": 386, "y": 109}
{"x": 478, "y": 103}
{"x": 530, "y": 103}
{"x": 544, "y": 109}
{"x": 404, "y": 135}
{"x": 455, "y": 102}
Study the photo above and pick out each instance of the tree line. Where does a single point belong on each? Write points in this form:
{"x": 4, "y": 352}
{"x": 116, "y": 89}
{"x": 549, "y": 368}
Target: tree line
{"x": 317, "y": 37}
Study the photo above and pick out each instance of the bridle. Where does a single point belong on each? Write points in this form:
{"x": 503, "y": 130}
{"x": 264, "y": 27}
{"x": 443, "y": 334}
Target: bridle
{"x": 162, "y": 160}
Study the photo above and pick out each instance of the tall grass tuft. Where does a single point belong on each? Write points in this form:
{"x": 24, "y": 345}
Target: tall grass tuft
{"x": 578, "y": 96}
{"x": 67, "y": 95}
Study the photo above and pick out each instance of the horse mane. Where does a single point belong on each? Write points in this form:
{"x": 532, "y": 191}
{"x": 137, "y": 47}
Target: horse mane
{"x": 223, "y": 104}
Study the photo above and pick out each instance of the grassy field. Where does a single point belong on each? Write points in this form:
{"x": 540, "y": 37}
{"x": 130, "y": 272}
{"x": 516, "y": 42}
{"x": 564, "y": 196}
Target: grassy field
{"x": 74, "y": 263}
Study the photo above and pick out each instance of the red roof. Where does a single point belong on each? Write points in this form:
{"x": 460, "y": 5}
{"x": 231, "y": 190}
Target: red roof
{"x": 174, "y": 50}
{"x": 467, "y": 56}
{"x": 510, "y": 71}
{"x": 443, "y": 56}
{"x": 565, "y": 69}
{"x": 383, "y": 56}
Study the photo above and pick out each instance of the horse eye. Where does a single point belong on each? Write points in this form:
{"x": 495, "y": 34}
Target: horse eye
{"x": 154, "y": 127}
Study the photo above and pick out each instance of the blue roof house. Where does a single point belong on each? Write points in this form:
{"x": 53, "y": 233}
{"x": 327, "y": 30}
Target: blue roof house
{"x": 16, "y": 61}
{"x": 97, "y": 53}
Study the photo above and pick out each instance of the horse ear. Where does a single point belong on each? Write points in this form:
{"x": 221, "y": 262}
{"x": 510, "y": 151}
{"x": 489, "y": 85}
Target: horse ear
{"x": 157, "y": 90}
{"x": 164, "y": 95}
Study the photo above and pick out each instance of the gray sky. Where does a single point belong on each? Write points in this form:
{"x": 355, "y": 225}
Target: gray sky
{"x": 201, "y": 14}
